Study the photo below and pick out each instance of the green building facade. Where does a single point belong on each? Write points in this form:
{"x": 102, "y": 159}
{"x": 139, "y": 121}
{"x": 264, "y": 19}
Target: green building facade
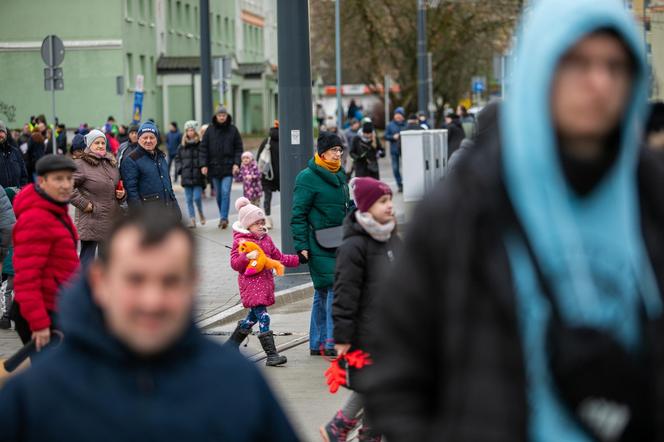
{"x": 109, "y": 43}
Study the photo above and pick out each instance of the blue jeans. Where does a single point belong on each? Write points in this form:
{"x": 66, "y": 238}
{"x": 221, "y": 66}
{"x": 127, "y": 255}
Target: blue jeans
{"x": 193, "y": 194}
{"x": 223, "y": 188}
{"x": 257, "y": 314}
{"x": 395, "y": 168}
{"x": 321, "y": 326}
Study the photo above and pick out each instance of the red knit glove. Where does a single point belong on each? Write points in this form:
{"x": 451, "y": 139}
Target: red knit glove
{"x": 336, "y": 374}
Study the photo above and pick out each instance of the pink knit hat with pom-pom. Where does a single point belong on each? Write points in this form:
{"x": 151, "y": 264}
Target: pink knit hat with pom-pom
{"x": 247, "y": 212}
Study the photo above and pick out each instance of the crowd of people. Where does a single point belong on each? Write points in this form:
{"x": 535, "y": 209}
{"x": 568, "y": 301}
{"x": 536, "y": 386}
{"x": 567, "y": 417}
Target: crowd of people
{"x": 527, "y": 304}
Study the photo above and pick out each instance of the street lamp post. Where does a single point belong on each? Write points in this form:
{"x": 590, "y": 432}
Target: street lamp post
{"x": 337, "y": 45}
{"x": 422, "y": 92}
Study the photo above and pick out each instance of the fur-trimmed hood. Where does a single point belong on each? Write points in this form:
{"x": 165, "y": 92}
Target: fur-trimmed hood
{"x": 94, "y": 160}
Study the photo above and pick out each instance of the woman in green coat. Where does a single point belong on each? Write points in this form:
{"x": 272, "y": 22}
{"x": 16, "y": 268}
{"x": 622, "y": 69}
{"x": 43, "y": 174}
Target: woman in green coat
{"x": 320, "y": 201}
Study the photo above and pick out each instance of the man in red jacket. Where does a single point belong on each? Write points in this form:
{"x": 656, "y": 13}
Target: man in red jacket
{"x": 45, "y": 241}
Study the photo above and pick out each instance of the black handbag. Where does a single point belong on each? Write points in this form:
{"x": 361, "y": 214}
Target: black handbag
{"x": 330, "y": 238}
{"x": 606, "y": 388}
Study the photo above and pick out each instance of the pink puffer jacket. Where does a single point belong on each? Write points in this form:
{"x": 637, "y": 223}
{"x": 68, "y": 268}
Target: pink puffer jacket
{"x": 257, "y": 289}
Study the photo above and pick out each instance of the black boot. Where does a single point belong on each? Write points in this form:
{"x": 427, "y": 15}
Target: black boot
{"x": 5, "y": 323}
{"x": 238, "y": 336}
{"x": 267, "y": 342}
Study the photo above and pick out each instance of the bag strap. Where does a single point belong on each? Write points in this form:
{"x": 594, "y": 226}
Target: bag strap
{"x": 68, "y": 227}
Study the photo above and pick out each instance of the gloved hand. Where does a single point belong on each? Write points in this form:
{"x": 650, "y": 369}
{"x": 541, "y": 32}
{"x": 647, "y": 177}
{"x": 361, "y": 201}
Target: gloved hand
{"x": 303, "y": 259}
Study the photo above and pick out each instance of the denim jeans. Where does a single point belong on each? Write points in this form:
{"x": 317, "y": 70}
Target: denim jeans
{"x": 396, "y": 169}
{"x": 88, "y": 252}
{"x": 257, "y": 314}
{"x": 223, "y": 188}
{"x": 320, "y": 328}
{"x": 193, "y": 194}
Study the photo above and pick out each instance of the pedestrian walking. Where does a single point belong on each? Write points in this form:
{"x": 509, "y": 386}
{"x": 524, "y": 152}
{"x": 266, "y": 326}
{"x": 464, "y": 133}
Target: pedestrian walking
{"x": 250, "y": 177}
{"x": 221, "y": 152}
{"x": 188, "y": 167}
{"x": 128, "y": 146}
{"x": 320, "y": 114}
{"x": 455, "y": 133}
{"x": 45, "y": 242}
{"x": 144, "y": 172}
{"x": 12, "y": 168}
{"x": 77, "y": 146}
{"x": 320, "y": 204}
{"x": 392, "y": 135}
{"x": 256, "y": 288}
{"x": 467, "y": 121}
{"x": 268, "y": 164}
{"x": 514, "y": 322}
{"x": 173, "y": 142}
{"x": 37, "y": 145}
{"x": 7, "y": 295}
{"x": 96, "y": 196}
{"x": 365, "y": 151}
{"x": 133, "y": 364}
{"x": 365, "y": 257}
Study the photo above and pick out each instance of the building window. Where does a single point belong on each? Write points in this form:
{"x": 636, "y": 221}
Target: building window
{"x": 152, "y": 72}
{"x": 128, "y": 8}
{"x": 227, "y": 31}
{"x": 218, "y": 29}
{"x": 130, "y": 69}
{"x": 178, "y": 14}
{"x": 150, "y": 11}
{"x": 169, "y": 13}
{"x": 187, "y": 18}
{"x": 141, "y": 9}
{"x": 142, "y": 61}
{"x": 197, "y": 19}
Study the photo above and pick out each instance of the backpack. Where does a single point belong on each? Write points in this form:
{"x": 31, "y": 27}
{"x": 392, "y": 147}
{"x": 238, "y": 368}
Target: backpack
{"x": 265, "y": 162}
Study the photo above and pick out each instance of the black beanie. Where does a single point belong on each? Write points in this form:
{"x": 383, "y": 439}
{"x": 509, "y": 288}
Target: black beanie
{"x": 326, "y": 141}
{"x": 367, "y": 127}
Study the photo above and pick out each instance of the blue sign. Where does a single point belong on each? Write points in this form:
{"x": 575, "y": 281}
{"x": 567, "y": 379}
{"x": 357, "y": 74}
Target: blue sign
{"x": 138, "y": 107}
{"x": 478, "y": 87}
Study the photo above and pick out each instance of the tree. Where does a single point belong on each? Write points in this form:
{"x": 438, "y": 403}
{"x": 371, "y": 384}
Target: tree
{"x": 380, "y": 37}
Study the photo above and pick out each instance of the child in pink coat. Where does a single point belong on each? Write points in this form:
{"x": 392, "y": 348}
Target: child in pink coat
{"x": 256, "y": 291}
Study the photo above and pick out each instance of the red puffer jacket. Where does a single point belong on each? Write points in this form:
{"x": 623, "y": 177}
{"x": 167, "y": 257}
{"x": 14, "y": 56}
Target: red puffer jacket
{"x": 45, "y": 256}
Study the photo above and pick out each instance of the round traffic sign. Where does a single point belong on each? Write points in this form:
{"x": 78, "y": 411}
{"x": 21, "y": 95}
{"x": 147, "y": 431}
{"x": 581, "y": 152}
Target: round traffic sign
{"x": 52, "y": 50}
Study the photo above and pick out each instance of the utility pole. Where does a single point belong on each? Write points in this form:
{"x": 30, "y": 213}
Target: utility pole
{"x": 422, "y": 92}
{"x": 337, "y": 45}
{"x": 295, "y": 111}
{"x": 206, "y": 62}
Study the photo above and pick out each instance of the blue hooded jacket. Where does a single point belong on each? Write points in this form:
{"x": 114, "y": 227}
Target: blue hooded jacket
{"x": 590, "y": 248}
{"x": 92, "y": 387}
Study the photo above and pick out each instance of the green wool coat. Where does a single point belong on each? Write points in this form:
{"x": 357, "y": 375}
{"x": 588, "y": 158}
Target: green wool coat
{"x": 320, "y": 200}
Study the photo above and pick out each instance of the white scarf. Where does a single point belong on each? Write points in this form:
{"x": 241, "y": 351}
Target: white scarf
{"x": 379, "y": 232}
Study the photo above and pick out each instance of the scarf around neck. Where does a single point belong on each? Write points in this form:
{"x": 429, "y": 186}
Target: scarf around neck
{"x": 332, "y": 166}
{"x": 379, "y": 232}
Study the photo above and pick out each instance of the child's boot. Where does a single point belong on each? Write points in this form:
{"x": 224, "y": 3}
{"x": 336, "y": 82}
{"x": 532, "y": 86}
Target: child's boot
{"x": 368, "y": 435}
{"x": 238, "y": 336}
{"x": 267, "y": 342}
{"x": 338, "y": 428}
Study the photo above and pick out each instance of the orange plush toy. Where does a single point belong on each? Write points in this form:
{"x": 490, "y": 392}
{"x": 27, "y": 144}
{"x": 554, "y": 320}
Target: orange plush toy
{"x": 260, "y": 262}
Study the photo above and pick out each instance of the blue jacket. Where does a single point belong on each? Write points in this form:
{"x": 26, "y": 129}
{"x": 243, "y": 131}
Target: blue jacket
{"x": 12, "y": 167}
{"x": 173, "y": 140}
{"x": 92, "y": 387}
{"x": 394, "y": 128}
{"x": 146, "y": 178}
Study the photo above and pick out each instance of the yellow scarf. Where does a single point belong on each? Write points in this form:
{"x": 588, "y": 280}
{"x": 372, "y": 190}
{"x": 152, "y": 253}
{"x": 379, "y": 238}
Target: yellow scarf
{"x": 332, "y": 166}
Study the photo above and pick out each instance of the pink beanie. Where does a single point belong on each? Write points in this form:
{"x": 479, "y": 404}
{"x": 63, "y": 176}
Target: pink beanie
{"x": 247, "y": 212}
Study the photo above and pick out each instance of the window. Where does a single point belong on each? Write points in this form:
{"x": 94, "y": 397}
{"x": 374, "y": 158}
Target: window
{"x": 141, "y": 9}
{"x": 187, "y": 18}
{"x": 227, "y": 31}
{"x": 169, "y": 11}
{"x": 197, "y": 19}
{"x": 128, "y": 7}
{"x": 130, "y": 69}
{"x": 178, "y": 14}
{"x": 150, "y": 11}
{"x": 152, "y": 72}
{"x": 218, "y": 29}
{"x": 142, "y": 60}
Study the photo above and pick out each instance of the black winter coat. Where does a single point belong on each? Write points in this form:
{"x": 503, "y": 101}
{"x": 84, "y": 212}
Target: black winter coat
{"x": 365, "y": 157}
{"x": 449, "y": 364}
{"x": 188, "y": 164}
{"x": 221, "y": 148}
{"x": 455, "y": 135}
{"x": 92, "y": 387}
{"x": 362, "y": 262}
{"x": 274, "y": 156}
{"x": 12, "y": 167}
{"x": 36, "y": 150}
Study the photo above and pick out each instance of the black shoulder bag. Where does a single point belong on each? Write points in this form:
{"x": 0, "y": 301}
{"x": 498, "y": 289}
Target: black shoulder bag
{"x": 606, "y": 388}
